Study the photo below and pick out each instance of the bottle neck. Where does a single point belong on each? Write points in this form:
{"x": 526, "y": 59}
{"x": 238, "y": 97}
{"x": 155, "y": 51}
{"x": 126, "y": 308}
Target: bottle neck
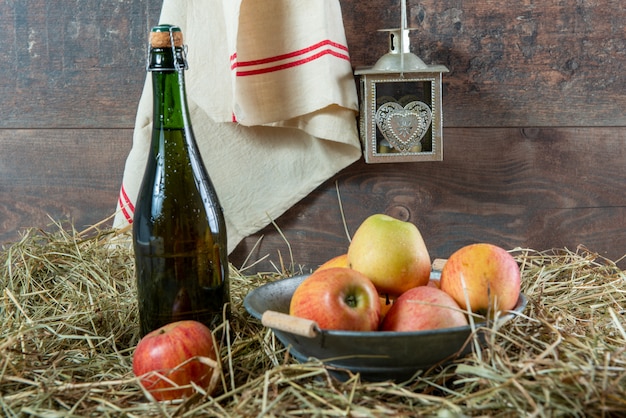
{"x": 168, "y": 88}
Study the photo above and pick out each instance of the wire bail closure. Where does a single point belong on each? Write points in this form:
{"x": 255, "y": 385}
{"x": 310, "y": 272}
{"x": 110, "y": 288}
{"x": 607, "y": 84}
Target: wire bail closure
{"x": 179, "y": 55}
{"x": 182, "y": 64}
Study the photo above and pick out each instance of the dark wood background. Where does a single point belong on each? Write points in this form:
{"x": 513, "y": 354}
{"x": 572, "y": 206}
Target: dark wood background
{"x": 534, "y": 126}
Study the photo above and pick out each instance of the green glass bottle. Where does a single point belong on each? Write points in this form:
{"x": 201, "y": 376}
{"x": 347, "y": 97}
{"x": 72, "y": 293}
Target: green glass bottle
{"x": 179, "y": 232}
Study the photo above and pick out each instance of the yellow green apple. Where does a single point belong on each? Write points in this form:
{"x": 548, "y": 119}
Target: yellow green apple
{"x": 482, "y": 278}
{"x": 391, "y": 252}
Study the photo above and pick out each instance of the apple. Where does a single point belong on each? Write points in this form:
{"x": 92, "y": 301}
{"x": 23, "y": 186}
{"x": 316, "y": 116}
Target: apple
{"x": 385, "y": 305}
{"x": 166, "y": 360}
{"x": 433, "y": 283}
{"x": 391, "y": 253}
{"x": 423, "y": 308}
{"x": 337, "y": 298}
{"x": 484, "y": 276}
{"x": 338, "y": 261}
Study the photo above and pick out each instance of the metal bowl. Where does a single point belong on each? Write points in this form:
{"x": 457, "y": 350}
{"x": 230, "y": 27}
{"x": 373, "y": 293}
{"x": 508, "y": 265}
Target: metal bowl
{"x": 376, "y": 355}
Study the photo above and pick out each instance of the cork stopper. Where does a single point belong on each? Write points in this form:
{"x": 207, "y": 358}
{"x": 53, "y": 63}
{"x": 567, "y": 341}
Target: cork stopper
{"x": 160, "y": 36}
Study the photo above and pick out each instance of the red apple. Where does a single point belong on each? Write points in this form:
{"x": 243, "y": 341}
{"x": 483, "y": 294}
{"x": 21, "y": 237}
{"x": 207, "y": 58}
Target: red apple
{"x": 433, "y": 283}
{"x": 423, "y": 308}
{"x": 391, "y": 253}
{"x": 337, "y": 298}
{"x": 166, "y": 360}
{"x": 483, "y": 275}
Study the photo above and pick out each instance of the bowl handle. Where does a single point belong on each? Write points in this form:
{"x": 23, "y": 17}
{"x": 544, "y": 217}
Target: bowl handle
{"x": 289, "y": 323}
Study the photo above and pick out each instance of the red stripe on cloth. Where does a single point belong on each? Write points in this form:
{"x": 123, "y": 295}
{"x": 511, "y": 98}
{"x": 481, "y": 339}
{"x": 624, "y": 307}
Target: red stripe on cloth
{"x": 127, "y": 216}
{"x": 289, "y": 55}
{"x": 125, "y": 203}
{"x": 293, "y": 63}
{"x": 129, "y": 203}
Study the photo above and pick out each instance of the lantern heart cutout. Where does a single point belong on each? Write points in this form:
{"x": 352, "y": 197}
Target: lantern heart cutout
{"x": 404, "y": 127}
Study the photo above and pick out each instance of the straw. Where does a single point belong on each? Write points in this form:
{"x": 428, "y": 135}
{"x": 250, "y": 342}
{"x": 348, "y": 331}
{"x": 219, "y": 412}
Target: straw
{"x": 70, "y": 327}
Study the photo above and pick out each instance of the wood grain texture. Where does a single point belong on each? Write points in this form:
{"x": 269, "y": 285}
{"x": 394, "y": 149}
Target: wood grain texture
{"x": 80, "y": 63}
{"x": 534, "y": 127}
{"x": 64, "y": 175}
{"x": 522, "y": 63}
{"x": 534, "y": 188}
{"x": 76, "y": 63}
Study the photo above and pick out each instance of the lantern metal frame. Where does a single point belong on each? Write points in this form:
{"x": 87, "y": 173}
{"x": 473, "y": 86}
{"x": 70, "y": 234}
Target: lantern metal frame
{"x": 392, "y": 127}
{"x": 371, "y": 136}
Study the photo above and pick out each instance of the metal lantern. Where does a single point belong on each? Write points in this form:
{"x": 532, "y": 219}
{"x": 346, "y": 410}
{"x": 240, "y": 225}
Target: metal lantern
{"x": 400, "y": 117}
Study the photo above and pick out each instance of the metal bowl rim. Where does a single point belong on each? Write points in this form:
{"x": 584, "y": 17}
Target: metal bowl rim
{"x": 519, "y": 307}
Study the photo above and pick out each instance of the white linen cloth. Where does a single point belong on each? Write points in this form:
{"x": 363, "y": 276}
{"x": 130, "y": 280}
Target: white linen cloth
{"x": 273, "y": 104}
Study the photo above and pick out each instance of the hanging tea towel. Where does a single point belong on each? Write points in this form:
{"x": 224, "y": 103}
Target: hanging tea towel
{"x": 273, "y": 104}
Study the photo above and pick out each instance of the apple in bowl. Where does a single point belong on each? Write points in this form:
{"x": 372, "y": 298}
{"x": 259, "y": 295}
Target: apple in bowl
{"x": 337, "y": 298}
{"x": 423, "y": 308}
{"x": 338, "y": 261}
{"x": 482, "y": 278}
{"x": 391, "y": 253}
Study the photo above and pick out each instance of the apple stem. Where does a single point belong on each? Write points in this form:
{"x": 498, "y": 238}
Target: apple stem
{"x": 351, "y": 301}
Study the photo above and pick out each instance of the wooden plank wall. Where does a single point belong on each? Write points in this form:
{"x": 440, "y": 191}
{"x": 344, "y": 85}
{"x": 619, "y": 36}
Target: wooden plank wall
{"x": 72, "y": 74}
{"x": 534, "y": 126}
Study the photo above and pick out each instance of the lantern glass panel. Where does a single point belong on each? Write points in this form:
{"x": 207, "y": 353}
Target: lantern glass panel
{"x": 404, "y": 93}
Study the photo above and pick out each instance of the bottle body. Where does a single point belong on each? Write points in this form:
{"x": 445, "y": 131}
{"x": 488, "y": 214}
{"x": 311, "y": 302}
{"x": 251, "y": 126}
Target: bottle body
{"x": 179, "y": 232}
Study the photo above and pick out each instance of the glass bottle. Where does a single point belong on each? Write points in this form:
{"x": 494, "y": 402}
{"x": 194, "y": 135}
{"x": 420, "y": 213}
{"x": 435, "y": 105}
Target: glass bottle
{"x": 179, "y": 232}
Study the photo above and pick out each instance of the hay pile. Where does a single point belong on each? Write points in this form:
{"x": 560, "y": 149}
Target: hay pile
{"x": 69, "y": 328}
